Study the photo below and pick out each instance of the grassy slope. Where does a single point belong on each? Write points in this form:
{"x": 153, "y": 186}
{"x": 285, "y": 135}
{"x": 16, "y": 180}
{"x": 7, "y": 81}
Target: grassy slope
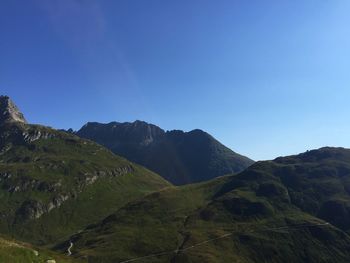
{"x": 16, "y": 252}
{"x": 317, "y": 182}
{"x": 250, "y": 204}
{"x": 148, "y": 224}
{"x": 95, "y": 181}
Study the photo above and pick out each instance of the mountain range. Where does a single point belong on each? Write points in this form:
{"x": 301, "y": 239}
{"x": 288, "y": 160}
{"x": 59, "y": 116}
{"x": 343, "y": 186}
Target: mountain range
{"x": 67, "y": 198}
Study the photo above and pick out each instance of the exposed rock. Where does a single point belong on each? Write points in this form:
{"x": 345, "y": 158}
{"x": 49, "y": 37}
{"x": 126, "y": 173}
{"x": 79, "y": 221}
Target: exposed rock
{"x": 36, "y": 135}
{"x": 9, "y": 111}
{"x": 30, "y": 209}
{"x": 122, "y": 170}
{"x": 23, "y": 183}
{"x": 5, "y": 175}
{"x": 57, "y": 202}
{"x": 91, "y": 180}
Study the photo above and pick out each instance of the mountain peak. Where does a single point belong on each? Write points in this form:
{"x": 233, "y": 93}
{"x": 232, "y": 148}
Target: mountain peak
{"x": 9, "y": 112}
{"x": 180, "y": 157}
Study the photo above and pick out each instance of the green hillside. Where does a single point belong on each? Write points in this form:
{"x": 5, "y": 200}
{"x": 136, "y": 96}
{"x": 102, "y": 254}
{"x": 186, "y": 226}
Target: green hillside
{"x": 255, "y": 216}
{"x": 53, "y": 184}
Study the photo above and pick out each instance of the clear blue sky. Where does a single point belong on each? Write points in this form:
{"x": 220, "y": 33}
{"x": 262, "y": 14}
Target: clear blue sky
{"x": 266, "y": 78}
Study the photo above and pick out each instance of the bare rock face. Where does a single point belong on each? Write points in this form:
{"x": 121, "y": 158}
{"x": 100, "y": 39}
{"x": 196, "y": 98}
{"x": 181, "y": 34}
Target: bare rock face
{"x": 30, "y": 209}
{"x": 9, "y": 111}
{"x": 33, "y": 209}
{"x": 136, "y": 134}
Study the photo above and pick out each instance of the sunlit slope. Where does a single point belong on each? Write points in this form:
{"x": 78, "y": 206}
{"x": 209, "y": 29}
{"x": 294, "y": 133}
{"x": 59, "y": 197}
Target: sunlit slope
{"x": 53, "y": 184}
{"x": 256, "y": 216}
{"x": 17, "y": 252}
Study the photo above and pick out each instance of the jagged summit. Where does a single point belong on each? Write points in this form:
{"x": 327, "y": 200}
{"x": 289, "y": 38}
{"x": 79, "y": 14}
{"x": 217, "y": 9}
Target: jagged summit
{"x": 9, "y": 112}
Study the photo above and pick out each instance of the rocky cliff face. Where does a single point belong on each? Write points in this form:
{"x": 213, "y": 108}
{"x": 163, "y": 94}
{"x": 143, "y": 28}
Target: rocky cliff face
{"x": 138, "y": 133}
{"x": 9, "y": 111}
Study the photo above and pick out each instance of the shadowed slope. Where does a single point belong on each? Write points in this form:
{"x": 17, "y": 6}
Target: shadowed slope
{"x": 180, "y": 157}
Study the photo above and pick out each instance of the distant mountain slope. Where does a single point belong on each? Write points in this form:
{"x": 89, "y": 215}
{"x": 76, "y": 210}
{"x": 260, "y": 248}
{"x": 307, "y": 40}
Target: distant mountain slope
{"x": 272, "y": 212}
{"x": 180, "y": 157}
{"x": 53, "y": 183}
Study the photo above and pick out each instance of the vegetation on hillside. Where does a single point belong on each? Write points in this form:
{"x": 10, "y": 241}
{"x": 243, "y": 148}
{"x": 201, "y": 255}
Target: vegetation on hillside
{"x": 18, "y": 252}
{"x": 255, "y": 216}
{"x": 53, "y": 184}
{"x": 70, "y": 194}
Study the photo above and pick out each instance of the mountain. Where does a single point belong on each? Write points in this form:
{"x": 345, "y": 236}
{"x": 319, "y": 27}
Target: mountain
{"x": 53, "y": 183}
{"x": 291, "y": 209}
{"x": 180, "y": 157}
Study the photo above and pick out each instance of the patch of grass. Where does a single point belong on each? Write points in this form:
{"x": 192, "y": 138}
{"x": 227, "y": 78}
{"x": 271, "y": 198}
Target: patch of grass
{"x": 16, "y": 252}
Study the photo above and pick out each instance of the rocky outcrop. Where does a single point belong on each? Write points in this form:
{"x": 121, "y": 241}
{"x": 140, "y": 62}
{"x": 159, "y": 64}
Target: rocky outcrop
{"x": 30, "y": 209}
{"x": 15, "y": 133}
{"x": 9, "y": 111}
{"x": 33, "y": 209}
{"x": 14, "y": 183}
{"x": 90, "y": 178}
{"x": 57, "y": 201}
{"x": 31, "y": 136}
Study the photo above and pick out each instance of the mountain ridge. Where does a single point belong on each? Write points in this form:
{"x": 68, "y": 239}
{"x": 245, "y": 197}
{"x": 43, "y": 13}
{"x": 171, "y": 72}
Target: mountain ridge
{"x": 180, "y": 157}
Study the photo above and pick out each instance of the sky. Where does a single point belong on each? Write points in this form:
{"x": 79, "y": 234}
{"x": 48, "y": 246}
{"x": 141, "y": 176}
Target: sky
{"x": 266, "y": 78}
